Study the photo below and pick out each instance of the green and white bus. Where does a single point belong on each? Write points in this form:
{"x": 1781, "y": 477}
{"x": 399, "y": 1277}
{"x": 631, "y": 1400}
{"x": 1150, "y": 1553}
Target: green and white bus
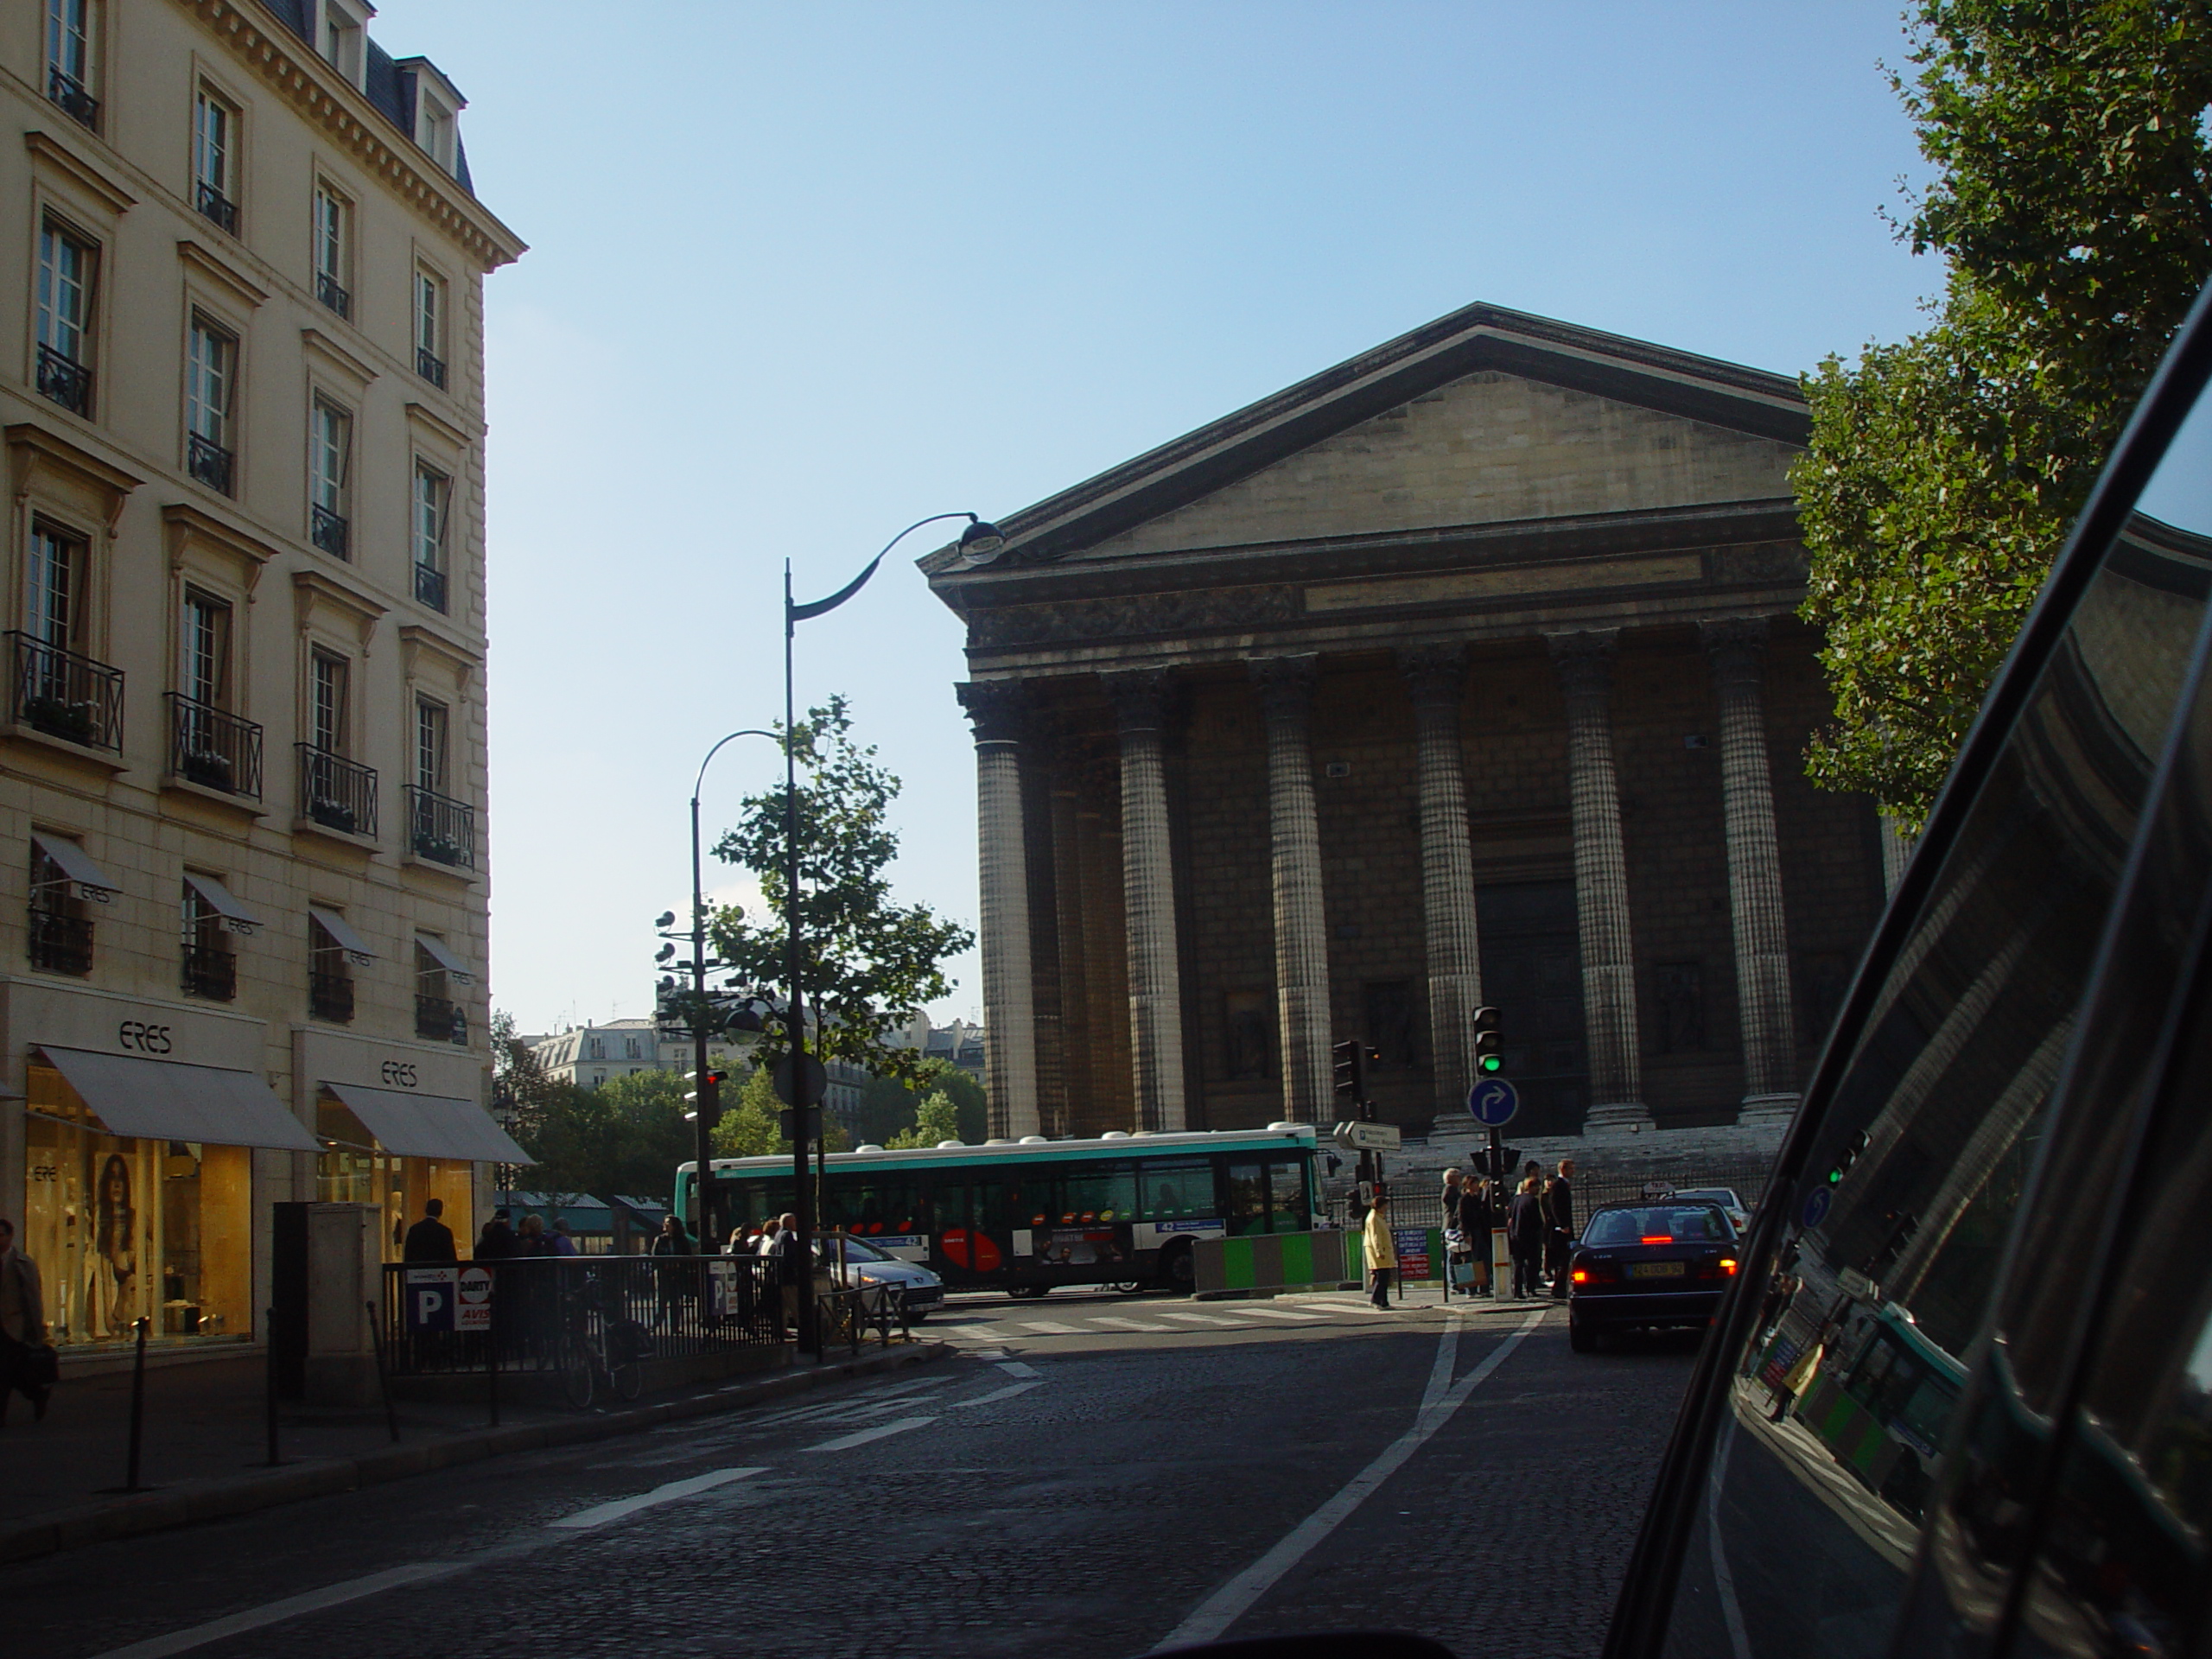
{"x": 1025, "y": 1215}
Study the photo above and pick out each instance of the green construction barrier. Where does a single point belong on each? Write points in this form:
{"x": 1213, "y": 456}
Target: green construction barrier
{"x": 1275, "y": 1262}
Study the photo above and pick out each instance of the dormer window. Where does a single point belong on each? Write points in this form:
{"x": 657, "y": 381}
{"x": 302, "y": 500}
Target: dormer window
{"x": 345, "y": 32}
{"x": 434, "y": 129}
{"x": 437, "y": 113}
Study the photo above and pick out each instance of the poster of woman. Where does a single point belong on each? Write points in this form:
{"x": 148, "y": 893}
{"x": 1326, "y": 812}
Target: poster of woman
{"x": 115, "y": 1251}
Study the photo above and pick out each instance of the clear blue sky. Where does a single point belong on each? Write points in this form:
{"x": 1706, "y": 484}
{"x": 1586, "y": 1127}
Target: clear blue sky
{"x": 801, "y": 274}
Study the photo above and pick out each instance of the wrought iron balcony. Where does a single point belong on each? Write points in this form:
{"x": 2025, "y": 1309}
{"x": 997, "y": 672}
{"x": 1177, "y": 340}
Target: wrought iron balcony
{"x": 217, "y": 208}
{"x": 431, "y": 367}
{"x": 213, "y": 749}
{"x": 208, "y": 461}
{"x": 66, "y": 695}
{"x": 336, "y": 793}
{"x": 61, "y": 942}
{"x": 430, "y": 587}
{"x": 328, "y": 289}
{"x": 210, "y": 972}
{"x": 69, "y": 92}
{"x": 330, "y": 996}
{"x": 440, "y": 1020}
{"x": 332, "y": 533}
{"x": 65, "y": 380}
{"x": 441, "y": 829}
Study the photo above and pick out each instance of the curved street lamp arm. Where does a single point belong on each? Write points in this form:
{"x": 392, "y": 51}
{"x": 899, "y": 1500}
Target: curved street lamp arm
{"x": 699, "y": 782}
{"x": 795, "y": 614}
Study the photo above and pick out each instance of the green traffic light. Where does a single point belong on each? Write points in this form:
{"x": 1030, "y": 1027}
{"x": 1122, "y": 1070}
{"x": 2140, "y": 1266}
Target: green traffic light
{"x": 1492, "y": 1063}
{"x": 1836, "y": 1177}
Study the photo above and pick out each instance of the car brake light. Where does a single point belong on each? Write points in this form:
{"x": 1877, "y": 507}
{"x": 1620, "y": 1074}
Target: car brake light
{"x": 1728, "y": 1264}
{"x": 1656, "y": 1238}
{"x": 1582, "y": 1275}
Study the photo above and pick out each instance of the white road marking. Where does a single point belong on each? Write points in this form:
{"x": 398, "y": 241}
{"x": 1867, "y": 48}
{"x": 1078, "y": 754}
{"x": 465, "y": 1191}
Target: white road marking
{"x": 1204, "y": 1319}
{"x": 1015, "y": 1368}
{"x": 867, "y": 1434}
{"x": 1006, "y": 1393}
{"x": 1128, "y": 1324}
{"x": 1438, "y": 1401}
{"x": 1266, "y": 1312}
{"x": 600, "y": 1514}
{"x": 275, "y": 1612}
{"x": 1045, "y": 1329}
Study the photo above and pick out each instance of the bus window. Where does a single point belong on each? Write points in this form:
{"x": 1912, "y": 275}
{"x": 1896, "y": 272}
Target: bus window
{"x": 948, "y": 1202}
{"x": 1175, "y": 1189}
{"x": 1016, "y": 1197}
{"x": 1097, "y": 1195}
{"x": 1248, "y": 1198}
{"x": 1287, "y": 1210}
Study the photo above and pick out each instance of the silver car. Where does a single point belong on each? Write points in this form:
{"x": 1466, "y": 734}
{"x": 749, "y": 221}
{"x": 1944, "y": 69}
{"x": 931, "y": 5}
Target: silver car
{"x": 1738, "y": 1217}
{"x": 865, "y": 1264}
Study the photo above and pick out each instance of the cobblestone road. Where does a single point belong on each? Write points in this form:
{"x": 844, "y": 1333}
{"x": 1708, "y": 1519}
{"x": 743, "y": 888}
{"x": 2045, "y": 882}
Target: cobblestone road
{"x": 1088, "y": 1490}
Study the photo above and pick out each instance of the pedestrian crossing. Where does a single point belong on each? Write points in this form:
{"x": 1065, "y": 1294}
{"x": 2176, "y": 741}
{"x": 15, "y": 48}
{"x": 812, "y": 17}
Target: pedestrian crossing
{"x": 983, "y": 1326}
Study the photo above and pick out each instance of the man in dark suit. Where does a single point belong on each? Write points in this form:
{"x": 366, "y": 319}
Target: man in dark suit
{"x": 1560, "y": 1213}
{"x": 429, "y": 1239}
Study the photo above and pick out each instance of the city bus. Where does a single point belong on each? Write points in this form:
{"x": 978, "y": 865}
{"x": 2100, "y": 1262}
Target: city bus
{"x": 1025, "y": 1215}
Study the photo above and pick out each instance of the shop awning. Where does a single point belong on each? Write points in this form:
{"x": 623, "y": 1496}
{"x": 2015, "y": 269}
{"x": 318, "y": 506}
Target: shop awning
{"x": 220, "y": 899}
{"x": 454, "y": 967}
{"x": 77, "y": 864}
{"x": 342, "y": 935}
{"x": 168, "y": 1100}
{"x": 429, "y": 1126}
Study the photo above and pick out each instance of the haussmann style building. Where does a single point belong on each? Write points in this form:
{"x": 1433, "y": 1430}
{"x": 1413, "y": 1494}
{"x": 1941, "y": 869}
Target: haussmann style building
{"x": 242, "y": 769}
{"x": 1464, "y": 672}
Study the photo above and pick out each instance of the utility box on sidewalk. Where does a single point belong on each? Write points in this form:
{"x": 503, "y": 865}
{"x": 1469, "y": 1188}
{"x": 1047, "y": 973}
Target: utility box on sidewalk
{"x": 344, "y": 1276}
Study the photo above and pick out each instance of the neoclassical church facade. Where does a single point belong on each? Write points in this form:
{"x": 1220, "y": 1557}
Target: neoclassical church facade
{"x": 1464, "y": 672}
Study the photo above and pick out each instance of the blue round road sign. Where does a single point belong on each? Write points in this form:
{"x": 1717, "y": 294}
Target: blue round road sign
{"x": 1816, "y": 1207}
{"x": 1493, "y": 1101}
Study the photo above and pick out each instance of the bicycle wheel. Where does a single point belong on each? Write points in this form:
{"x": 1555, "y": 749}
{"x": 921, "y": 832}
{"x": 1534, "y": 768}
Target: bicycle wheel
{"x": 576, "y": 1381}
{"x": 629, "y": 1380}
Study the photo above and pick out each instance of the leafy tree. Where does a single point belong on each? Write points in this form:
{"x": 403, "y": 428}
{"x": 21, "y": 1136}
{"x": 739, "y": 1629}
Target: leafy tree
{"x": 868, "y": 960}
{"x": 751, "y": 1125}
{"x": 886, "y": 1109}
{"x": 889, "y": 1108}
{"x": 2070, "y": 203}
{"x": 936, "y": 1119}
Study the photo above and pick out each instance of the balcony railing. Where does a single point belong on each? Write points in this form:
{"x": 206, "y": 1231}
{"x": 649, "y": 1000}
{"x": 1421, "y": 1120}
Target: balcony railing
{"x": 69, "y": 92}
{"x": 66, "y": 695}
{"x": 431, "y": 367}
{"x": 208, "y": 461}
{"x": 61, "y": 944}
{"x": 210, "y": 972}
{"x": 329, "y": 290}
{"x": 331, "y": 532}
{"x": 430, "y": 587}
{"x": 65, "y": 380}
{"x": 336, "y": 793}
{"x": 330, "y": 996}
{"x": 441, "y": 829}
{"x": 440, "y": 1021}
{"x": 216, "y": 207}
{"x": 213, "y": 749}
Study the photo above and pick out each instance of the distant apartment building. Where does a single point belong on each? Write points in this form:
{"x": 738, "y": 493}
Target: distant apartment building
{"x": 242, "y": 735}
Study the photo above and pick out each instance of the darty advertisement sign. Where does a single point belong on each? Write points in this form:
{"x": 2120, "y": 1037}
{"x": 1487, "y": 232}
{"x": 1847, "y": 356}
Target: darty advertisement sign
{"x": 449, "y": 1299}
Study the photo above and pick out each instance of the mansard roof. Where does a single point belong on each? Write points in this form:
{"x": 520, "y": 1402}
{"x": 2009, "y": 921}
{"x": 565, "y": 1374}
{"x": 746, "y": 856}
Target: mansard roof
{"x": 1479, "y": 337}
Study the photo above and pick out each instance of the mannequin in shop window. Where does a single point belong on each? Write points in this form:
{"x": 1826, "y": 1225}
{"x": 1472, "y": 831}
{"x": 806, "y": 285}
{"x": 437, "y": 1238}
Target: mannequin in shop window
{"x": 115, "y": 1249}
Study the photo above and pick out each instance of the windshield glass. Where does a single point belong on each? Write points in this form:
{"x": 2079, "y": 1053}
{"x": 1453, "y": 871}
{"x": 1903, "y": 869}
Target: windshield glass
{"x": 1682, "y": 1224}
{"x": 854, "y": 1250}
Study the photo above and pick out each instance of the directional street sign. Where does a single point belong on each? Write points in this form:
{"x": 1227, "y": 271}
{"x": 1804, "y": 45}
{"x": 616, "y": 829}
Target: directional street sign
{"x": 1368, "y": 1137}
{"x": 1493, "y": 1101}
{"x": 1816, "y": 1207}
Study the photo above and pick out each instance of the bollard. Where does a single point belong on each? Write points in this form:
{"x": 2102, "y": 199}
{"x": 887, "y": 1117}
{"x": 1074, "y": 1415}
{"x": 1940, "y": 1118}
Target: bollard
{"x": 383, "y": 1384}
{"x": 269, "y": 1333}
{"x": 137, "y": 1409}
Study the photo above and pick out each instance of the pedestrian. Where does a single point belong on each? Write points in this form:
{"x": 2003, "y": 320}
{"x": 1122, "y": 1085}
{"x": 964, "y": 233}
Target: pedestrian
{"x": 1474, "y": 1227}
{"x": 497, "y": 1242}
{"x": 765, "y": 1245}
{"x": 793, "y": 1272}
{"x": 563, "y": 1243}
{"x": 26, "y": 1362}
{"x": 429, "y": 1239}
{"x": 1559, "y": 1214}
{"x": 1455, "y": 1240}
{"x": 530, "y": 1238}
{"x": 1524, "y": 1235}
{"x": 740, "y": 1240}
{"x": 1382, "y": 1253}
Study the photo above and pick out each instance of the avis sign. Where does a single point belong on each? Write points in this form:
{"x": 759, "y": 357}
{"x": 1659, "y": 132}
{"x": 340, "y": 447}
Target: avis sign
{"x": 449, "y": 1298}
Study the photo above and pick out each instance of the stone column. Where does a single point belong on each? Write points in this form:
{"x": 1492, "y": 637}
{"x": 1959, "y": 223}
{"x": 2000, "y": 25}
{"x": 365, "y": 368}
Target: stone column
{"x": 1009, "y": 1024}
{"x": 1896, "y": 853}
{"x": 1585, "y": 662}
{"x": 1736, "y": 649}
{"x": 1302, "y": 929}
{"x": 1434, "y": 675}
{"x": 1149, "y": 887}
{"x": 1076, "y": 1040}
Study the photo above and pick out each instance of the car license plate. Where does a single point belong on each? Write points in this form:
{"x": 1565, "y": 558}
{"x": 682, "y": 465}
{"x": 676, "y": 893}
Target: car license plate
{"x": 1655, "y": 1269}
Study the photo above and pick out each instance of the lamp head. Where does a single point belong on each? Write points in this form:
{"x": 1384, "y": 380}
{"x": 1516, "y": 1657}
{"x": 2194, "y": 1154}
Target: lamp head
{"x": 667, "y": 918}
{"x": 980, "y": 543}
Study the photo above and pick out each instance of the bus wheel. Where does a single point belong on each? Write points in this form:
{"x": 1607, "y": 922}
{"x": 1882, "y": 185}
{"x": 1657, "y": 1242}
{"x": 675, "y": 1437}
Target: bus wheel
{"x": 1131, "y": 1287}
{"x": 1176, "y": 1271}
{"x": 1026, "y": 1292}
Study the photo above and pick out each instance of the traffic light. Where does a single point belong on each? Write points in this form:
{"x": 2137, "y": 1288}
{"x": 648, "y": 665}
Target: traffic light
{"x": 1351, "y": 1060}
{"x": 1847, "y": 1158}
{"x": 1490, "y": 1048}
{"x": 707, "y": 1098}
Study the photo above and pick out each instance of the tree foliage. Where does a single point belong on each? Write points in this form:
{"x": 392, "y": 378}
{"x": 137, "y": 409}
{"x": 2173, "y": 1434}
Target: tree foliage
{"x": 936, "y": 1119}
{"x": 2073, "y": 178}
{"x": 626, "y": 1137}
{"x": 868, "y": 960}
{"x": 890, "y": 1109}
{"x": 751, "y": 1125}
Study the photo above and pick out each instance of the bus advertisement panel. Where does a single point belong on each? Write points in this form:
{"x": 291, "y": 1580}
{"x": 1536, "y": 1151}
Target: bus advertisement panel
{"x": 1025, "y": 1215}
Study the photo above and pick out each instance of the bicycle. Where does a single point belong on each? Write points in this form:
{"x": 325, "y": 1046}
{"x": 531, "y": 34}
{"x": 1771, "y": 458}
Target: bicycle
{"x": 587, "y": 1367}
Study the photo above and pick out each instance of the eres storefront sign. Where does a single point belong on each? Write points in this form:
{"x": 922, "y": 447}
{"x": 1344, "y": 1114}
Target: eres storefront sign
{"x": 138, "y": 1037}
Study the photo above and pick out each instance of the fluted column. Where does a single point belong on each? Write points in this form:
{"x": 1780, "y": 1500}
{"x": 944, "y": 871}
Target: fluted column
{"x": 1434, "y": 676}
{"x": 1736, "y": 649}
{"x": 1149, "y": 888}
{"x": 1073, "y": 1107}
{"x": 1301, "y": 928}
{"x": 1585, "y": 662}
{"x": 1009, "y": 1022}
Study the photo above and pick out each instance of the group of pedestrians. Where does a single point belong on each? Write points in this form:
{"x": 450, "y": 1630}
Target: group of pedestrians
{"x": 1537, "y": 1215}
{"x": 27, "y": 1365}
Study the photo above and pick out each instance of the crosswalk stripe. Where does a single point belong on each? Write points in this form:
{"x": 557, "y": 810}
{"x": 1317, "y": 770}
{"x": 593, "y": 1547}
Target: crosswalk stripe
{"x": 1202, "y": 1318}
{"x": 1128, "y": 1324}
{"x": 1263, "y": 1311}
{"x": 1047, "y": 1329}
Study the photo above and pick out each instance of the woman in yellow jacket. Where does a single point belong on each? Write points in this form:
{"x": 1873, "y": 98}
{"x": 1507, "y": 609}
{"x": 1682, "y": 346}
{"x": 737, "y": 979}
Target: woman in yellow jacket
{"x": 1381, "y": 1256}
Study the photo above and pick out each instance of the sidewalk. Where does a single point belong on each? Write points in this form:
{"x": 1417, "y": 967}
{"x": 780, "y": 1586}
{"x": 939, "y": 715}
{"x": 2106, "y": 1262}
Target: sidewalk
{"x": 204, "y": 1451}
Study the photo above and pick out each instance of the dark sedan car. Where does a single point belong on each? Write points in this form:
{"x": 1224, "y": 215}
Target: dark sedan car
{"x": 1662, "y": 1263}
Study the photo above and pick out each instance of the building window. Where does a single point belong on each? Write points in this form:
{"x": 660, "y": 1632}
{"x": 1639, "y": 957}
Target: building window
{"x": 431, "y": 726}
{"x": 210, "y": 969}
{"x": 330, "y": 443}
{"x": 57, "y": 690}
{"x": 69, "y": 60}
{"x": 209, "y": 746}
{"x": 629, "y": 1051}
{"x": 66, "y": 267}
{"x": 330, "y": 979}
{"x": 433, "y": 493}
{"x": 438, "y": 1019}
{"x": 440, "y": 827}
{"x": 214, "y": 159}
{"x": 204, "y": 649}
{"x": 60, "y": 928}
{"x": 333, "y": 217}
{"x": 596, "y": 1049}
{"x": 430, "y": 327}
{"x": 1680, "y": 988}
{"x": 328, "y": 696}
{"x": 210, "y": 377}
{"x": 343, "y": 31}
{"x": 53, "y": 580}
{"x": 436, "y": 126}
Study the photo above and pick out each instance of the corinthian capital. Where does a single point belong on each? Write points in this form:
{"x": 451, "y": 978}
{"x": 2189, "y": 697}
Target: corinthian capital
{"x": 1434, "y": 674}
{"x": 995, "y": 707}
{"x": 1737, "y": 648}
{"x": 1286, "y": 684}
{"x": 1139, "y": 697}
{"x": 1584, "y": 660}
